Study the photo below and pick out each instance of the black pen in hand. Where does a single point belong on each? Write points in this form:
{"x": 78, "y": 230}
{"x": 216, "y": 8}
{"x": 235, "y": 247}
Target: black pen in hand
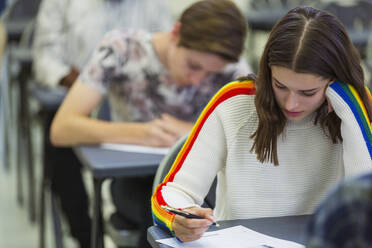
{"x": 184, "y": 214}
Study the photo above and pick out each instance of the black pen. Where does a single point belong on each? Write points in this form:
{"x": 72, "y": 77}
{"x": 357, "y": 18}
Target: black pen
{"x": 184, "y": 214}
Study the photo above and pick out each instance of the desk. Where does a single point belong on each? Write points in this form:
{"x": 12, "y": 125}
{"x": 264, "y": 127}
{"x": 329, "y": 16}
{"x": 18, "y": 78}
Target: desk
{"x": 105, "y": 164}
{"x": 288, "y": 227}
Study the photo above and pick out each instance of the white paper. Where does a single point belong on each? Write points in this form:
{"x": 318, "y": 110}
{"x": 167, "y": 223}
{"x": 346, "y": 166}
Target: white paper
{"x": 237, "y": 237}
{"x": 136, "y": 148}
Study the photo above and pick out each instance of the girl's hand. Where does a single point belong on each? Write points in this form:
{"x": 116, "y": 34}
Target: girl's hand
{"x": 192, "y": 229}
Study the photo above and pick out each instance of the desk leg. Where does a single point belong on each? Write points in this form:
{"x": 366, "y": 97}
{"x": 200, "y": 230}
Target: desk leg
{"x": 18, "y": 145}
{"x": 97, "y": 228}
{"x": 25, "y": 137}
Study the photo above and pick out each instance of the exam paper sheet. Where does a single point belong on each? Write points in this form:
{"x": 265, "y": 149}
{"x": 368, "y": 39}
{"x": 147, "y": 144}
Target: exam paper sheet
{"x": 237, "y": 237}
{"x": 136, "y": 148}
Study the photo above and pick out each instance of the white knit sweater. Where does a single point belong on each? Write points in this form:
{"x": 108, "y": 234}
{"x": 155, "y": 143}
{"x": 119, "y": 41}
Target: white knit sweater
{"x": 309, "y": 164}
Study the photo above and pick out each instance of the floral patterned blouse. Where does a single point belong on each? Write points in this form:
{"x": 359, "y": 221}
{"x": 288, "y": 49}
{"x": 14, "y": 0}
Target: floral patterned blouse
{"x": 126, "y": 68}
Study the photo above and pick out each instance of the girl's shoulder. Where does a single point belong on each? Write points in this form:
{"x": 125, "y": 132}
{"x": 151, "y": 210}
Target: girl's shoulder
{"x": 235, "y": 101}
{"x": 234, "y": 89}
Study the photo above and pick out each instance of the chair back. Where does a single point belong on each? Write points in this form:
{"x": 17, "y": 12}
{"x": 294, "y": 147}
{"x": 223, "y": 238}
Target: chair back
{"x": 166, "y": 164}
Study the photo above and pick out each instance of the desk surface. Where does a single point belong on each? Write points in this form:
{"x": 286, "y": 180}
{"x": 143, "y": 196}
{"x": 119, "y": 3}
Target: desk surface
{"x": 288, "y": 228}
{"x": 109, "y": 163}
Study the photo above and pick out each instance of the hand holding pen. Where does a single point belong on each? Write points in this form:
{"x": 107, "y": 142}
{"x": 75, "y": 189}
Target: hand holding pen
{"x": 190, "y": 224}
{"x": 185, "y": 214}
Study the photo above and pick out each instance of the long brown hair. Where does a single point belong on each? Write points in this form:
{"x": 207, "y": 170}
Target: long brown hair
{"x": 305, "y": 40}
{"x": 214, "y": 26}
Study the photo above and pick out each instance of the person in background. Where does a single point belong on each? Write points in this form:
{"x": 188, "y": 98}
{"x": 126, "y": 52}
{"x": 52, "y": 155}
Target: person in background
{"x": 66, "y": 35}
{"x": 156, "y": 84}
{"x": 344, "y": 218}
{"x": 279, "y": 142}
{"x": 68, "y": 31}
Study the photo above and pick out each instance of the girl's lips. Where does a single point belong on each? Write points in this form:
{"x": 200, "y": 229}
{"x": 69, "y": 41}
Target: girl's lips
{"x": 289, "y": 113}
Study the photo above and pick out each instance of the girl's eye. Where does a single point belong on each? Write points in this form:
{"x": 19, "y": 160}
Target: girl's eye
{"x": 308, "y": 94}
{"x": 279, "y": 86}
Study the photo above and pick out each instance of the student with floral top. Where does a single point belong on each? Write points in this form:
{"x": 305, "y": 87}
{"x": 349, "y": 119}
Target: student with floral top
{"x": 279, "y": 143}
{"x": 157, "y": 84}
{"x": 66, "y": 34}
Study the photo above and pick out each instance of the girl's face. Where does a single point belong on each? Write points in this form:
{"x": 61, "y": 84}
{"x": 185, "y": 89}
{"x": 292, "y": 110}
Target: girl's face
{"x": 297, "y": 94}
{"x": 191, "y": 67}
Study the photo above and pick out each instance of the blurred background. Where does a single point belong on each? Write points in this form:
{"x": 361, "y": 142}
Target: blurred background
{"x": 21, "y": 123}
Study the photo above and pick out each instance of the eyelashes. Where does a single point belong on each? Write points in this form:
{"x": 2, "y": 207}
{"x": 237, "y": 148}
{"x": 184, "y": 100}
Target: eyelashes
{"x": 281, "y": 87}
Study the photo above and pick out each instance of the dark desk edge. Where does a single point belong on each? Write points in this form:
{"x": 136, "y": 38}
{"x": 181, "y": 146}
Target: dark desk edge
{"x": 288, "y": 227}
{"x": 113, "y": 167}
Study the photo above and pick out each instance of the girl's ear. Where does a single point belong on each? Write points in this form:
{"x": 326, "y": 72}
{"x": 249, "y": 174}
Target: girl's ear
{"x": 330, "y": 108}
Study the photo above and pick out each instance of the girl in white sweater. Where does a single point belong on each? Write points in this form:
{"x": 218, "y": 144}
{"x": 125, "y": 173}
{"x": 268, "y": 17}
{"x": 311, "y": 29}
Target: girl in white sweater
{"x": 280, "y": 143}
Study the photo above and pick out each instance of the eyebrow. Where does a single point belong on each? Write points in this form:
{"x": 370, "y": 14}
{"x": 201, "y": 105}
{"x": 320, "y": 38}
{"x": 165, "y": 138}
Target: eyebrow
{"x": 309, "y": 90}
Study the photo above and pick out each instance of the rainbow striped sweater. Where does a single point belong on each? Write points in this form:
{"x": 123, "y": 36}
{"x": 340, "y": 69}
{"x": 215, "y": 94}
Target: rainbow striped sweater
{"x": 309, "y": 164}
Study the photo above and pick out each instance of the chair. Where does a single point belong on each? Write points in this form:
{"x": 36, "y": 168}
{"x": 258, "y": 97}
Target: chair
{"x": 17, "y": 16}
{"x": 48, "y": 101}
{"x": 356, "y": 16}
{"x": 166, "y": 164}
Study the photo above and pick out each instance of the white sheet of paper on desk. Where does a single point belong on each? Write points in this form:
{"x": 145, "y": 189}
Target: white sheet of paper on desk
{"x": 136, "y": 148}
{"x": 237, "y": 237}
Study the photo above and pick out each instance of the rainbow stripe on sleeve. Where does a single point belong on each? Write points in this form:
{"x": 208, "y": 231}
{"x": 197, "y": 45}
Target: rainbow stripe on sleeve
{"x": 353, "y": 100}
{"x": 160, "y": 216}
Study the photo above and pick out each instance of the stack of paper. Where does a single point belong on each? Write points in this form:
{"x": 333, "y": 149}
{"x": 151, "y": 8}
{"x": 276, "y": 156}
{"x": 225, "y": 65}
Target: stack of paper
{"x": 136, "y": 148}
{"x": 237, "y": 237}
